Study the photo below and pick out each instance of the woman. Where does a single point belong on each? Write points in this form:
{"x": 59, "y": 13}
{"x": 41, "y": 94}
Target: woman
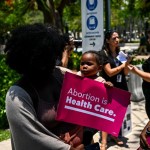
{"x": 63, "y": 59}
{"x": 143, "y": 43}
{"x": 113, "y": 70}
{"x": 146, "y": 86}
{"x": 31, "y": 103}
{"x": 146, "y": 77}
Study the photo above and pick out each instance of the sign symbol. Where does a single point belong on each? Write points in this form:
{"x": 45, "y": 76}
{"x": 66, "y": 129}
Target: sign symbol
{"x": 92, "y": 23}
{"x": 91, "y": 4}
{"x": 92, "y": 44}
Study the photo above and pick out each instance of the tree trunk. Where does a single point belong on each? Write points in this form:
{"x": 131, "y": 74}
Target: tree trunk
{"x": 51, "y": 14}
{"x": 47, "y": 7}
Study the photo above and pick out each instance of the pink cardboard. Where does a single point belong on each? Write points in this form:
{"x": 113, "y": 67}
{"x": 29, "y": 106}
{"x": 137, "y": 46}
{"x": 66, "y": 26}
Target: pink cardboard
{"x": 89, "y": 103}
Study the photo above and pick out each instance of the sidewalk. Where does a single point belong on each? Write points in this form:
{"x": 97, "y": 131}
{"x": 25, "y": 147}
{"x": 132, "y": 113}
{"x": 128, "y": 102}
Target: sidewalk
{"x": 139, "y": 119}
{"x": 5, "y": 145}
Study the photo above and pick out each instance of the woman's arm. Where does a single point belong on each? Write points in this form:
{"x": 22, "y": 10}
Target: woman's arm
{"x": 143, "y": 141}
{"x": 126, "y": 69}
{"x": 80, "y": 147}
{"x": 113, "y": 71}
{"x": 65, "y": 58}
{"x": 142, "y": 74}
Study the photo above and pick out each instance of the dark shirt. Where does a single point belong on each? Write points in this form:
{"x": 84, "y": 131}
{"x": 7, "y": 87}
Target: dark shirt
{"x": 146, "y": 68}
{"x": 143, "y": 41}
{"x": 119, "y": 79}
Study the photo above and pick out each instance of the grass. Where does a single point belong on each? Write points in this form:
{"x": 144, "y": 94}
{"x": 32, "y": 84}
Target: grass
{"x": 4, "y": 135}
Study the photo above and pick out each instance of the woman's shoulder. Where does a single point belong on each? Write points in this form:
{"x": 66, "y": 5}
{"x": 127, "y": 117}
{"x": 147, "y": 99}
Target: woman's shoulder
{"x": 18, "y": 95}
{"x": 103, "y": 53}
{"x": 19, "y": 102}
{"x": 16, "y": 89}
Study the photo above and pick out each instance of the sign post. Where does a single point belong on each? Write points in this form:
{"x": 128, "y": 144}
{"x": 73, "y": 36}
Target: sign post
{"x": 92, "y": 24}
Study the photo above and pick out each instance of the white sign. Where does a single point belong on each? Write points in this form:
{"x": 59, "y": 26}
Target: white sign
{"x": 122, "y": 57}
{"x": 92, "y": 24}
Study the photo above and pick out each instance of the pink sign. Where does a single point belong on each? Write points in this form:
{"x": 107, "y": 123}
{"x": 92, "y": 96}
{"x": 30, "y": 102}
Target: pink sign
{"x": 86, "y": 102}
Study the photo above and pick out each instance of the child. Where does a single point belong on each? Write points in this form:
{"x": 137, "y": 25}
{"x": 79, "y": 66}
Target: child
{"x": 90, "y": 66}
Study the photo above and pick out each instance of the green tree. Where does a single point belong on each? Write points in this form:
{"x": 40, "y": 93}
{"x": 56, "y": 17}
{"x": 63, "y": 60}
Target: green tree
{"x": 128, "y": 15}
{"x": 8, "y": 77}
{"x": 16, "y": 12}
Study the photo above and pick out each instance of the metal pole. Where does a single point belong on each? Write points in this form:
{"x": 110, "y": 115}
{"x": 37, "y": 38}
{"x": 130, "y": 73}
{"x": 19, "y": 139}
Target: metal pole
{"x": 107, "y": 14}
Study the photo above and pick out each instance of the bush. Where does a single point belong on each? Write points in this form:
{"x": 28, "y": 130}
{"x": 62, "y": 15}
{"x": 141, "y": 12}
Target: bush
{"x": 137, "y": 61}
{"x": 7, "y": 78}
{"x": 4, "y": 135}
{"x": 74, "y": 61}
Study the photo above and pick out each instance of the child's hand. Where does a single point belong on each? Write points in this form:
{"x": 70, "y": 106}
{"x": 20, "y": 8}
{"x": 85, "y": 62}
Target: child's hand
{"x": 108, "y": 84}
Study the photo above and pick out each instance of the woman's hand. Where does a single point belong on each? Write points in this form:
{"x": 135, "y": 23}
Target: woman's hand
{"x": 129, "y": 59}
{"x": 144, "y": 75}
{"x": 80, "y": 147}
{"x": 133, "y": 68}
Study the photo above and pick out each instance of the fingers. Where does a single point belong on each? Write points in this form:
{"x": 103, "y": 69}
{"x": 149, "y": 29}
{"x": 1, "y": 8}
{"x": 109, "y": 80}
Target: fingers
{"x": 129, "y": 59}
{"x": 130, "y": 67}
{"x": 80, "y": 147}
{"x": 143, "y": 141}
{"x": 108, "y": 84}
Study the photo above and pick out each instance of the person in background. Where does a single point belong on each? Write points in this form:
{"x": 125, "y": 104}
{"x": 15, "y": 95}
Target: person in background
{"x": 148, "y": 41}
{"x": 113, "y": 70}
{"x": 31, "y": 103}
{"x": 142, "y": 46}
{"x": 90, "y": 66}
{"x": 63, "y": 58}
{"x": 146, "y": 131}
{"x": 144, "y": 75}
{"x": 146, "y": 86}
